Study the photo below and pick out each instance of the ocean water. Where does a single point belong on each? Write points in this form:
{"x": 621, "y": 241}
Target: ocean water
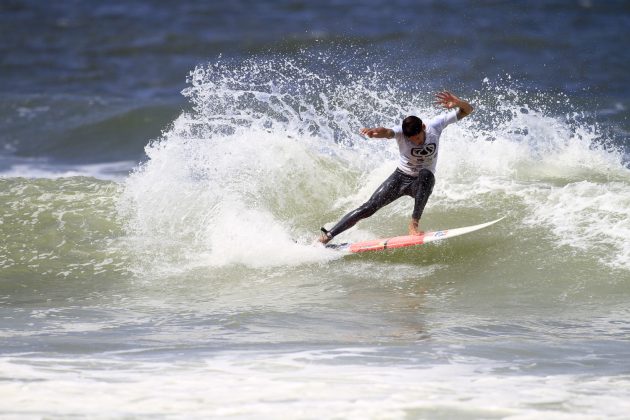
{"x": 166, "y": 166}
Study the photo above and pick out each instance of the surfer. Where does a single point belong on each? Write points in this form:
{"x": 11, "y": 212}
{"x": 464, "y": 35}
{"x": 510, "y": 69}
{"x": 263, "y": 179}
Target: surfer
{"x": 418, "y": 144}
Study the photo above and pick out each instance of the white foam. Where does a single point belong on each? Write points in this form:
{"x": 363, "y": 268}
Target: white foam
{"x": 42, "y": 168}
{"x": 572, "y": 185}
{"x": 588, "y": 216}
{"x": 228, "y": 200}
{"x": 300, "y": 385}
{"x": 256, "y": 239}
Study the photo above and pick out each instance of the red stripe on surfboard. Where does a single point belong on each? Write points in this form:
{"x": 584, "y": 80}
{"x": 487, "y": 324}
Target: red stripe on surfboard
{"x": 389, "y": 243}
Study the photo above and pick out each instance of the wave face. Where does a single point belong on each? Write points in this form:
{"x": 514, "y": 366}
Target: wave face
{"x": 58, "y": 224}
{"x": 270, "y": 151}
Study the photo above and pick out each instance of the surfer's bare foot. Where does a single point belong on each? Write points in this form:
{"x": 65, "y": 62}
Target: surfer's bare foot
{"x": 413, "y": 227}
{"x": 324, "y": 239}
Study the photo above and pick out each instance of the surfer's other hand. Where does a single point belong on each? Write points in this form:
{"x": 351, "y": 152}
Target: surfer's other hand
{"x": 370, "y": 132}
{"x": 446, "y": 99}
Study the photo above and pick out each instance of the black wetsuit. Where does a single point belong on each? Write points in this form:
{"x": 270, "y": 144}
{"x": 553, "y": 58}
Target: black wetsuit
{"x": 414, "y": 158}
{"x": 394, "y": 187}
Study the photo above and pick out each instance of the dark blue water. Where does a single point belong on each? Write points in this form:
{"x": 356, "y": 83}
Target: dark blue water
{"x": 93, "y": 81}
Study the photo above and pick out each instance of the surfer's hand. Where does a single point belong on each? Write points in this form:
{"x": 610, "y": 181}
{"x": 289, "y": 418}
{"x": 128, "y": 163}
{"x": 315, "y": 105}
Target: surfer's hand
{"x": 447, "y": 100}
{"x": 370, "y": 132}
{"x": 378, "y": 132}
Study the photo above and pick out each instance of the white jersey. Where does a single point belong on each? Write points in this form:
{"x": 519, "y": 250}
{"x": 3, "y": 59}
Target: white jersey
{"x": 414, "y": 157}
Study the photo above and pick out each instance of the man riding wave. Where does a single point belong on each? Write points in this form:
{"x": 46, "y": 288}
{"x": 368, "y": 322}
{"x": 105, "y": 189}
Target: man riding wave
{"x": 418, "y": 144}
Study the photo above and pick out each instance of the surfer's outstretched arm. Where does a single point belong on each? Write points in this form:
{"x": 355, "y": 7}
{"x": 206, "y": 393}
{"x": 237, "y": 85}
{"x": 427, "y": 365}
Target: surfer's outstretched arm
{"x": 447, "y": 100}
{"x": 378, "y": 132}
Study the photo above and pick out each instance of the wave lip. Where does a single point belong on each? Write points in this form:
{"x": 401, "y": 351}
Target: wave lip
{"x": 44, "y": 168}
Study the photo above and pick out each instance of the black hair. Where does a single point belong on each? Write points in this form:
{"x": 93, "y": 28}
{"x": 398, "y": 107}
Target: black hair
{"x": 411, "y": 126}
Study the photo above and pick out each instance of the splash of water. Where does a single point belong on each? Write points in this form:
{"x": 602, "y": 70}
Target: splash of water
{"x": 270, "y": 151}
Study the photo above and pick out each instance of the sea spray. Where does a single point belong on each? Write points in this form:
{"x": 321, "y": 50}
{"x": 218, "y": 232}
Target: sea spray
{"x": 270, "y": 151}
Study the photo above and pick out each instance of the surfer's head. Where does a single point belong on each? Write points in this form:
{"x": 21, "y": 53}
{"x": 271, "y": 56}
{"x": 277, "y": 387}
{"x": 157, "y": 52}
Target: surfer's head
{"x": 412, "y": 126}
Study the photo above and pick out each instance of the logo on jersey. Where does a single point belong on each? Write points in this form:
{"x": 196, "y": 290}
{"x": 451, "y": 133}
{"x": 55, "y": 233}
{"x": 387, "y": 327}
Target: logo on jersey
{"x": 424, "y": 151}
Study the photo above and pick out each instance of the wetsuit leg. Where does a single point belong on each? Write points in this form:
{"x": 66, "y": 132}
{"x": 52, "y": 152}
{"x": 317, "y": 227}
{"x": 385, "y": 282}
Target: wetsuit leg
{"x": 423, "y": 189}
{"x": 389, "y": 191}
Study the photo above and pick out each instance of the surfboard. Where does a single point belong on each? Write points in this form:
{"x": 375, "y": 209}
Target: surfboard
{"x": 408, "y": 240}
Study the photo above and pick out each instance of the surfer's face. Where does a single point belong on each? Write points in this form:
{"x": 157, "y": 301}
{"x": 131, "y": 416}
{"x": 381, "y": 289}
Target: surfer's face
{"x": 419, "y": 138}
